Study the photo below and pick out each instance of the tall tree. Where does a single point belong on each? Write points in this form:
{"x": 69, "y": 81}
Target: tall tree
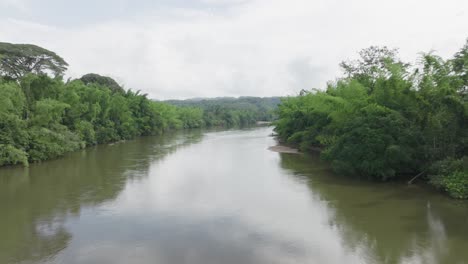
{"x": 460, "y": 66}
{"x": 373, "y": 63}
{"x": 17, "y": 60}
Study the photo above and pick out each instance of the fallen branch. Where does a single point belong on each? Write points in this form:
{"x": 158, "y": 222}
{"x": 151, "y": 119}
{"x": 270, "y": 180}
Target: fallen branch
{"x": 415, "y": 177}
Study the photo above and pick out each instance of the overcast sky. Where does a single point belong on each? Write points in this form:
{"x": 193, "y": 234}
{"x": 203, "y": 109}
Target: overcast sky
{"x": 207, "y": 48}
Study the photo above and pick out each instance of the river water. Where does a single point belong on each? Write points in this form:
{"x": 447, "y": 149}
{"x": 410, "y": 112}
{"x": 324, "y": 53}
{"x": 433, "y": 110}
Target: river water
{"x": 220, "y": 197}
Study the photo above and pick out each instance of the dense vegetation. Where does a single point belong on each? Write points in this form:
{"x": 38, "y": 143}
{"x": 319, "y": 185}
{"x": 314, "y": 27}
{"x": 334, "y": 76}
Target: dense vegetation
{"x": 43, "y": 117}
{"x": 386, "y": 119}
{"x": 228, "y": 111}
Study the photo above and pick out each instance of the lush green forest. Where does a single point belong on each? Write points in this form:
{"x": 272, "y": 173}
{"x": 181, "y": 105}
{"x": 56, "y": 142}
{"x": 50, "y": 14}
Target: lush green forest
{"x": 228, "y": 111}
{"x": 387, "y": 119}
{"x": 42, "y": 116}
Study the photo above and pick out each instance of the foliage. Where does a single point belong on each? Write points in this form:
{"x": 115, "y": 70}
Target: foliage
{"x": 9, "y": 155}
{"x": 17, "y": 60}
{"x": 43, "y": 117}
{"x": 13, "y": 138}
{"x": 460, "y": 66}
{"x": 102, "y": 81}
{"x": 386, "y": 119}
{"x": 446, "y": 166}
{"x": 377, "y": 142}
{"x": 456, "y": 184}
{"x": 47, "y": 143}
{"x": 450, "y": 175}
{"x": 228, "y": 111}
{"x": 191, "y": 117}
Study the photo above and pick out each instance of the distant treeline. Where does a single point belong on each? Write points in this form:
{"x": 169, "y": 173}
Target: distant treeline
{"x": 387, "y": 119}
{"x": 228, "y": 111}
{"x": 43, "y": 117}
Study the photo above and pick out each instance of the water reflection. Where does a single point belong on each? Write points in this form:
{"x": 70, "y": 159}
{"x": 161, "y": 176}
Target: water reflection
{"x": 395, "y": 223}
{"x": 224, "y": 200}
{"x": 217, "y": 197}
{"x": 36, "y": 202}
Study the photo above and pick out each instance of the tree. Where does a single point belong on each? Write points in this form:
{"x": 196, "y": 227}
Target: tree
{"x": 103, "y": 81}
{"x": 13, "y": 134}
{"x": 460, "y": 66}
{"x": 374, "y": 62}
{"x": 384, "y": 121}
{"x": 377, "y": 142}
{"x": 17, "y": 60}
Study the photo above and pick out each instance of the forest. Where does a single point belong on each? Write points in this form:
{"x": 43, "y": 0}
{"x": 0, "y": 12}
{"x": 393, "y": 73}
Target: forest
{"x": 229, "y": 111}
{"x": 43, "y": 117}
{"x": 386, "y": 119}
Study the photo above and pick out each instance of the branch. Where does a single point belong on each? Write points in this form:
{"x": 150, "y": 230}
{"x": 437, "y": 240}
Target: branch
{"x": 415, "y": 177}
{"x": 36, "y": 64}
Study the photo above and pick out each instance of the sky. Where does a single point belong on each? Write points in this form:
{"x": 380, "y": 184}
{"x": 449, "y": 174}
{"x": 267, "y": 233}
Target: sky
{"x": 178, "y": 49}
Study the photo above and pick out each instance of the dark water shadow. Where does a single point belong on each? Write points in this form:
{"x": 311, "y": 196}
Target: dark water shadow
{"x": 394, "y": 222}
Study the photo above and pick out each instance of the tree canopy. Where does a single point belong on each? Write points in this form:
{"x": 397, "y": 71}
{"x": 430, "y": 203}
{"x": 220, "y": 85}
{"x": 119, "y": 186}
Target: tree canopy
{"x": 103, "y": 81}
{"x": 386, "y": 120}
{"x": 17, "y": 60}
{"x": 228, "y": 111}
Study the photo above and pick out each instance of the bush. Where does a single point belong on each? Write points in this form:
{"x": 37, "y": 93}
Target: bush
{"x": 86, "y": 132}
{"x": 456, "y": 184}
{"x": 376, "y": 144}
{"x": 9, "y": 155}
{"x": 51, "y": 143}
{"x": 451, "y": 176}
{"x": 446, "y": 166}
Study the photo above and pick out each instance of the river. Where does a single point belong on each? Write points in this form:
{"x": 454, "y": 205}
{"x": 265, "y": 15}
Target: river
{"x": 218, "y": 197}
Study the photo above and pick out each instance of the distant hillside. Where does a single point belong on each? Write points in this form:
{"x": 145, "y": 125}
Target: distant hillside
{"x": 241, "y": 103}
{"x": 262, "y": 108}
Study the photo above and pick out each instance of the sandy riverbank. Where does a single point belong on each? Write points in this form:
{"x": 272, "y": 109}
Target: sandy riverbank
{"x": 284, "y": 149}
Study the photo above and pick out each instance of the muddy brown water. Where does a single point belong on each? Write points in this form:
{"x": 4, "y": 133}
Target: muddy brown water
{"x": 205, "y": 197}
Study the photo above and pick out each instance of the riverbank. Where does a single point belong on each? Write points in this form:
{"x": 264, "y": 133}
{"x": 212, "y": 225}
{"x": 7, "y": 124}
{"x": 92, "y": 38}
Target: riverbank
{"x": 459, "y": 185}
{"x": 83, "y": 146}
{"x": 284, "y": 149}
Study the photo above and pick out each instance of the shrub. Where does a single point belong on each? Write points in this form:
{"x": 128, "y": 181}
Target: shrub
{"x": 51, "y": 143}
{"x": 451, "y": 176}
{"x": 9, "y": 155}
{"x": 456, "y": 184}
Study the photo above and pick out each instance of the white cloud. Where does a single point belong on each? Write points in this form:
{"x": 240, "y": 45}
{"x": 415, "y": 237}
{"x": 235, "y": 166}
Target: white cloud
{"x": 256, "y": 47}
{"x": 19, "y": 5}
